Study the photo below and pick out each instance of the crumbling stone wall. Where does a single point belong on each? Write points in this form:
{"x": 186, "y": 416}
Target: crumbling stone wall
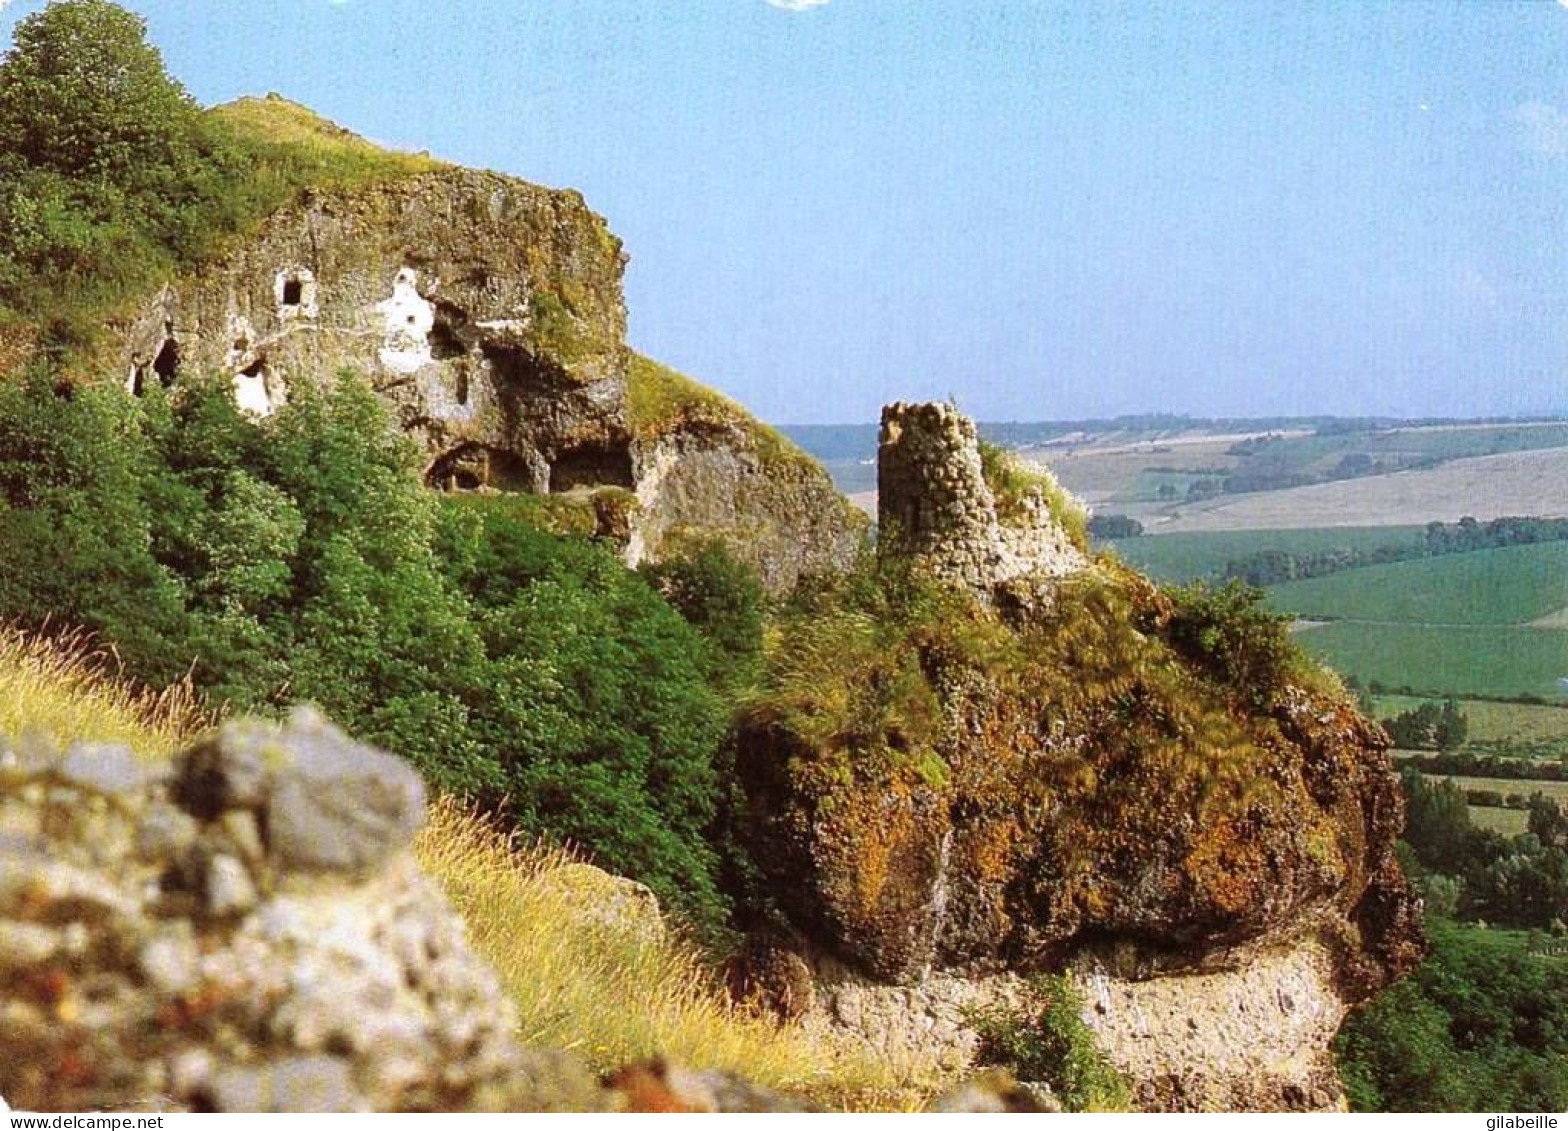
{"x": 934, "y": 506}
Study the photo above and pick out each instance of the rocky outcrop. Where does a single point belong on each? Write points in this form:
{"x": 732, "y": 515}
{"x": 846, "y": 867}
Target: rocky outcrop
{"x": 706, "y": 469}
{"x": 242, "y": 931}
{"x": 1253, "y": 1037}
{"x": 1071, "y": 782}
{"x": 489, "y": 314}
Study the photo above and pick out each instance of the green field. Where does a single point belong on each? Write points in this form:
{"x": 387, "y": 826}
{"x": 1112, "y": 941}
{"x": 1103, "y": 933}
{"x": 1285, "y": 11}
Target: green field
{"x": 1455, "y": 624}
{"x": 1479, "y": 660}
{"x": 1186, "y": 557}
{"x": 1508, "y": 585}
{"x": 1509, "y": 822}
{"x": 1517, "y": 728}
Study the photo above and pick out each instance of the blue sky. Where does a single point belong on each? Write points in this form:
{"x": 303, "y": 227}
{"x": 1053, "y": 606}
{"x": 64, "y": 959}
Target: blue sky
{"x": 1043, "y": 210}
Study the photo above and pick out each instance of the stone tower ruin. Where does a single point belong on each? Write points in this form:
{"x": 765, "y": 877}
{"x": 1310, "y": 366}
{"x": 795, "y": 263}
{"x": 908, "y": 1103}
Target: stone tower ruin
{"x": 934, "y": 506}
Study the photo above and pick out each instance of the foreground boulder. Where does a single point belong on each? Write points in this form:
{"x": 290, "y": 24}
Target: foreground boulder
{"x": 241, "y": 930}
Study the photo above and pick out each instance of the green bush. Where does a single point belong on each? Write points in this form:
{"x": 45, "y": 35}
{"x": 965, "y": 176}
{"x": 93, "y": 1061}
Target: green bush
{"x": 111, "y": 175}
{"x": 1049, "y": 1042}
{"x": 299, "y": 558}
{"x": 722, "y": 597}
{"x": 1482, "y": 1025}
{"x": 1228, "y": 631}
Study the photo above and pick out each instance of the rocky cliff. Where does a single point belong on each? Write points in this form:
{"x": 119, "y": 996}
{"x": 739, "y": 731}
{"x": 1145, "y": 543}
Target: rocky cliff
{"x": 1155, "y": 792}
{"x": 489, "y": 314}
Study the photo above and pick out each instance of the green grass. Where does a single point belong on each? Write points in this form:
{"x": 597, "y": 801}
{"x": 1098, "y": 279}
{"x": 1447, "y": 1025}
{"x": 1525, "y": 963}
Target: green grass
{"x": 659, "y": 401}
{"x": 310, "y": 149}
{"x": 1187, "y": 557}
{"x": 1482, "y": 660}
{"x": 1509, "y": 822}
{"x": 1509, "y": 585}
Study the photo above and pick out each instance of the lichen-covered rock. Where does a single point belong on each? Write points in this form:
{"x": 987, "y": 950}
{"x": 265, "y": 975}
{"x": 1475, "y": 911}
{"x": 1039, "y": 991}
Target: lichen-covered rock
{"x": 1007, "y": 782}
{"x": 241, "y": 930}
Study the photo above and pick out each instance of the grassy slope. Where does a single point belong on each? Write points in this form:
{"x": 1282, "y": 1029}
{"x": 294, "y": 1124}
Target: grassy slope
{"x": 578, "y": 983}
{"x": 1456, "y": 623}
{"x": 1480, "y": 660}
{"x": 660, "y": 400}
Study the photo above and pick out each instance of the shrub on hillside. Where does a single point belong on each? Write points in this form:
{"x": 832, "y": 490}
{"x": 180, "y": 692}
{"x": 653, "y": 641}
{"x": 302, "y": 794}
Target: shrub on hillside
{"x": 1483, "y": 1024}
{"x": 1228, "y": 631}
{"x": 298, "y": 558}
{"x": 1049, "y": 1042}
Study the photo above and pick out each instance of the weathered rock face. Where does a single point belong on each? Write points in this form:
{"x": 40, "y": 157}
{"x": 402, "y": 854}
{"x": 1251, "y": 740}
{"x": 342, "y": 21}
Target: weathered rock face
{"x": 488, "y": 313}
{"x": 244, "y": 931}
{"x": 787, "y": 521}
{"x": 1254, "y": 1037}
{"x": 1090, "y": 795}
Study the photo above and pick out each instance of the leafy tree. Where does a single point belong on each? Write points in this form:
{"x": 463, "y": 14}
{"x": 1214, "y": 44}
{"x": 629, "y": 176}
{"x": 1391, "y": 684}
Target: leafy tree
{"x": 1548, "y": 822}
{"x": 76, "y": 549}
{"x": 85, "y": 95}
{"x": 1482, "y": 1024}
{"x": 1437, "y": 821}
{"x": 722, "y": 597}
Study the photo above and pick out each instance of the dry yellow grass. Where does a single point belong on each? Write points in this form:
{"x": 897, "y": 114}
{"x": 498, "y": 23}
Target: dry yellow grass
{"x": 578, "y": 983}
{"x": 59, "y": 688}
{"x": 615, "y": 996}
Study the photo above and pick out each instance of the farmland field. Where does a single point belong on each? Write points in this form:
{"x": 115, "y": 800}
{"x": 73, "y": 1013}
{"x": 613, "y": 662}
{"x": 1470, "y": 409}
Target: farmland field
{"x": 1504, "y": 586}
{"x": 1478, "y": 660}
{"x": 1521, "y": 728}
{"x": 1186, "y": 557}
{"x": 1509, "y": 822}
{"x": 1485, "y": 487}
{"x": 1557, "y": 790}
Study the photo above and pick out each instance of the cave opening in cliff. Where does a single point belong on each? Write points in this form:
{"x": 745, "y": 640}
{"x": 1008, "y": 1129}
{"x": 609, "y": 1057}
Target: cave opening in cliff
{"x": 594, "y": 464}
{"x": 445, "y": 343}
{"x": 293, "y": 292}
{"x": 475, "y": 467}
{"x": 167, "y": 364}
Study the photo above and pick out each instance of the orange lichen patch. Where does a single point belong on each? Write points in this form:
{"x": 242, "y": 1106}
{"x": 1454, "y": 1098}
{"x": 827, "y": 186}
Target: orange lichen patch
{"x": 191, "y": 1009}
{"x": 645, "y": 1090}
{"x": 47, "y": 985}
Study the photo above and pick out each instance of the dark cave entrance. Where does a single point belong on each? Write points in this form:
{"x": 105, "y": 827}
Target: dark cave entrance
{"x": 475, "y": 467}
{"x": 592, "y": 465}
{"x": 167, "y": 364}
